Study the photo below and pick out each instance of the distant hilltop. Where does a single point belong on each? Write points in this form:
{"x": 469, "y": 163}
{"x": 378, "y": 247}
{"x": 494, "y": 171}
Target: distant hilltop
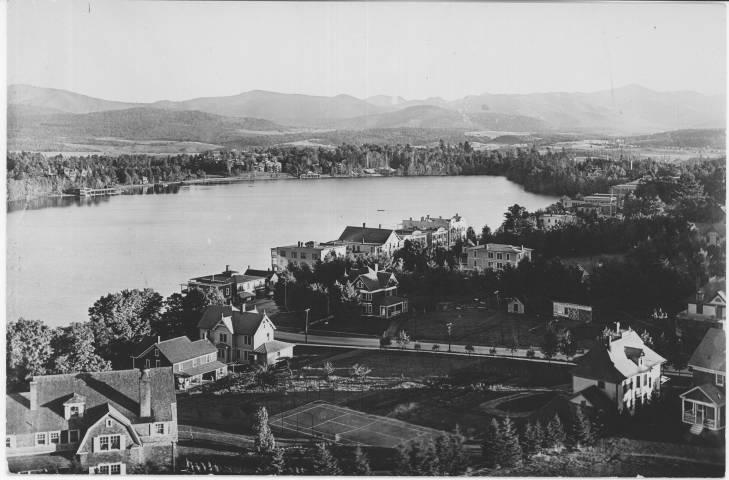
{"x": 629, "y": 110}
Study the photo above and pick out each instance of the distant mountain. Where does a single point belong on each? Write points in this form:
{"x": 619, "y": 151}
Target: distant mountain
{"x": 283, "y": 108}
{"x": 626, "y": 110}
{"x": 385, "y": 101}
{"x": 428, "y": 116}
{"x": 140, "y": 123}
{"x": 61, "y": 100}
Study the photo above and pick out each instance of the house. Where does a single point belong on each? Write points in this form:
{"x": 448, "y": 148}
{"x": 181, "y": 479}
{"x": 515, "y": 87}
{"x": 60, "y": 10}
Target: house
{"x": 192, "y": 362}
{"x": 515, "y": 305}
{"x": 572, "y": 311}
{"x": 238, "y": 336}
{"x": 709, "y": 303}
{"x": 554, "y": 220}
{"x": 304, "y": 253}
{"x": 377, "y": 293}
{"x": 622, "y": 369}
{"x": 107, "y": 422}
{"x": 624, "y": 189}
{"x": 711, "y": 233}
{"x": 704, "y": 405}
{"x": 270, "y": 275}
{"x": 495, "y": 256}
{"x": 364, "y": 240}
{"x": 455, "y": 227}
{"x": 235, "y": 288}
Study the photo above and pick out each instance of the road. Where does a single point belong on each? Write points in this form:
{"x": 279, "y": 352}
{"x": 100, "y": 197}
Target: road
{"x": 373, "y": 343}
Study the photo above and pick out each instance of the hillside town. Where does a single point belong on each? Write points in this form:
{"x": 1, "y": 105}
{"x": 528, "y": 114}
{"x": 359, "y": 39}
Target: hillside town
{"x": 284, "y": 330}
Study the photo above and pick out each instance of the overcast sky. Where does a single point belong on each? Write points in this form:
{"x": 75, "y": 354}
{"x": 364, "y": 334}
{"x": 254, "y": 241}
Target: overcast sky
{"x": 147, "y": 51}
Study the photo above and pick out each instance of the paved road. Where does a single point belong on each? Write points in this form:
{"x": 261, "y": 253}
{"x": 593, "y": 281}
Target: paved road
{"x": 373, "y": 343}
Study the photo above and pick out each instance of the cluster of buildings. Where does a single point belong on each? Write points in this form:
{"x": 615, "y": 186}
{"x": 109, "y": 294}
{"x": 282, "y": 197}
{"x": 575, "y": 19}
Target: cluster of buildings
{"x": 600, "y": 204}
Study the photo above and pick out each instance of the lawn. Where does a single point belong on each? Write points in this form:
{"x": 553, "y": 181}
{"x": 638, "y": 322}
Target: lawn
{"x": 478, "y": 326}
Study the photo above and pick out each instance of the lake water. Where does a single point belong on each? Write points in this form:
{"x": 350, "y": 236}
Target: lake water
{"x": 65, "y": 253}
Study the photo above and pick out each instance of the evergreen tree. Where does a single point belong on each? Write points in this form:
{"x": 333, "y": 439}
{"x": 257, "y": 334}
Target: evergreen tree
{"x": 511, "y": 454}
{"x": 402, "y": 459}
{"x": 555, "y": 435}
{"x": 581, "y": 432}
{"x": 491, "y": 446}
{"x": 539, "y": 436}
{"x": 324, "y": 462}
{"x": 277, "y": 462}
{"x": 361, "y": 464}
{"x": 529, "y": 442}
{"x": 429, "y": 463}
{"x": 457, "y": 462}
{"x": 264, "y": 441}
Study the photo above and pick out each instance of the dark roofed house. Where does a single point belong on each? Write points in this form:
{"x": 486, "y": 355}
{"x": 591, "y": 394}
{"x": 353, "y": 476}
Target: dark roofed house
{"x": 709, "y": 302}
{"x": 235, "y": 288}
{"x": 704, "y": 405}
{"x": 622, "y": 369}
{"x": 192, "y": 362}
{"x": 237, "y": 336}
{"x": 270, "y": 276}
{"x": 369, "y": 241}
{"x": 377, "y": 293}
{"x": 106, "y": 421}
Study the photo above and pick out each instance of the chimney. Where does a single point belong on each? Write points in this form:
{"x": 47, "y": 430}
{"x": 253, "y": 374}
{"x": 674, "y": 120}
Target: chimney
{"x": 227, "y": 268}
{"x": 617, "y": 328}
{"x": 145, "y": 395}
{"x": 379, "y": 226}
{"x": 33, "y": 395}
{"x": 158, "y": 339}
{"x": 699, "y": 296}
{"x": 364, "y": 225}
{"x": 377, "y": 267}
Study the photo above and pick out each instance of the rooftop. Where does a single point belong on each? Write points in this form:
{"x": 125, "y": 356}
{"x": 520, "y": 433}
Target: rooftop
{"x": 711, "y": 352}
{"x": 273, "y": 346}
{"x": 237, "y": 322}
{"x": 376, "y": 236}
{"x": 181, "y": 348}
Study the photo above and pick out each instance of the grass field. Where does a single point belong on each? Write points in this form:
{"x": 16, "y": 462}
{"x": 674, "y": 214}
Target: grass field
{"x": 477, "y": 326}
{"x": 346, "y": 426}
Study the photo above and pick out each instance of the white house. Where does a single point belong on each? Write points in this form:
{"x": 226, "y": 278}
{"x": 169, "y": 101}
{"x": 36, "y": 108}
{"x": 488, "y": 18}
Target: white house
{"x": 495, "y": 256}
{"x": 623, "y": 370}
{"x": 704, "y": 405}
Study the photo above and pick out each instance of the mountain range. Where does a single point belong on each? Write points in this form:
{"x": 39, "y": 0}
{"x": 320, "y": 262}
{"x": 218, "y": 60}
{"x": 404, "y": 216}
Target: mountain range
{"x": 632, "y": 110}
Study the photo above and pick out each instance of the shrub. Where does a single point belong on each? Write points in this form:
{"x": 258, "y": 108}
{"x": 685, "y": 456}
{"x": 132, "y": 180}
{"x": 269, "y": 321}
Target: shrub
{"x": 492, "y": 350}
{"x": 436, "y": 347}
{"x": 530, "y": 353}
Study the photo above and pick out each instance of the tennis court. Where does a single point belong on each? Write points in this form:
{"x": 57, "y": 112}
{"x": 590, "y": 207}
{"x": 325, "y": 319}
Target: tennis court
{"x": 348, "y": 427}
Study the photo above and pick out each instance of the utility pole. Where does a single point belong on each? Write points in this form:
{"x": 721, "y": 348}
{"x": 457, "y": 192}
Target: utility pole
{"x": 306, "y": 327}
{"x": 449, "y": 325}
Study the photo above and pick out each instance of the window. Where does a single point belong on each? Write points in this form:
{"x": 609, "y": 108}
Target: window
{"x": 227, "y": 291}
{"x": 650, "y": 381}
{"x": 108, "y": 422}
{"x": 508, "y": 256}
{"x": 720, "y": 379}
{"x": 202, "y": 335}
{"x": 223, "y": 337}
{"x": 64, "y": 436}
{"x": 282, "y": 253}
{"x": 491, "y": 264}
{"x": 9, "y": 441}
{"x": 41, "y": 439}
{"x": 491, "y": 255}
{"x": 104, "y": 443}
{"x": 156, "y": 352}
{"x": 55, "y": 437}
{"x": 247, "y": 339}
{"x": 157, "y": 363}
{"x": 600, "y": 384}
{"x": 75, "y": 411}
{"x": 268, "y": 336}
{"x": 637, "y": 379}
{"x": 195, "y": 362}
{"x": 499, "y": 256}
{"x": 115, "y": 469}
{"x": 499, "y": 265}
{"x": 73, "y": 436}
{"x": 293, "y": 254}
{"x": 102, "y": 469}
{"x": 159, "y": 428}
{"x": 303, "y": 255}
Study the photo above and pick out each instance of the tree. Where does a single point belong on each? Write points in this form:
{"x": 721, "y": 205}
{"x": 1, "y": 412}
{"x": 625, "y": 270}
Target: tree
{"x": 277, "y": 462}
{"x": 29, "y": 349}
{"x": 328, "y": 369}
{"x": 121, "y": 319}
{"x": 581, "y": 432}
{"x": 403, "y": 339}
{"x": 264, "y": 441}
{"x": 539, "y": 435}
{"x": 360, "y": 372}
{"x": 529, "y": 442}
{"x": 74, "y": 350}
{"x": 555, "y": 435}
{"x": 436, "y": 347}
{"x": 550, "y": 344}
{"x": 491, "y": 446}
{"x": 360, "y": 464}
{"x": 469, "y": 349}
{"x": 567, "y": 344}
{"x": 428, "y": 464}
{"x": 324, "y": 462}
{"x": 511, "y": 453}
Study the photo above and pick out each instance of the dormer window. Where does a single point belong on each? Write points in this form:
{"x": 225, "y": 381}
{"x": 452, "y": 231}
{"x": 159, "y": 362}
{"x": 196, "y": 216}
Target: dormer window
{"x": 720, "y": 379}
{"x": 74, "y": 407}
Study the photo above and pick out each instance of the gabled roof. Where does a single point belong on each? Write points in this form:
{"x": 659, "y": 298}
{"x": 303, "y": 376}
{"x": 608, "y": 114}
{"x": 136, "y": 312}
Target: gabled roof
{"x": 374, "y": 280}
{"x": 715, "y": 286}
{"x": 376, "y": 236}
{"x": 118, "y": 389}
{"x": 181, "y": 348}
{"x": 273, "y": 346}
{"x": 239, "y": 323}
{"x": 267, "y": 274}
{"x": 203, "y": 368}
{"x": 596, "y": 397}
{"x": 247, "y": 278}
{"x": 707, "y": 392}
{"x": 618, "y": 360}
{"x": 711, "y": 352}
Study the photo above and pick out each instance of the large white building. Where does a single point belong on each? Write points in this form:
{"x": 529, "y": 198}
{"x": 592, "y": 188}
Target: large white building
{"x": 304, "y": 253}
{"x": 495, "y": 256}
{"x": 456, "y": 226}
{"x": 622, "y": 372}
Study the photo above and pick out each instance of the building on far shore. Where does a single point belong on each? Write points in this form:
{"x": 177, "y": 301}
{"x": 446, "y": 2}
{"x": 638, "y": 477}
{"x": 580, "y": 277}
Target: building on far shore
{"x": 106, "y": 422}
{"x": 495, "y": 256}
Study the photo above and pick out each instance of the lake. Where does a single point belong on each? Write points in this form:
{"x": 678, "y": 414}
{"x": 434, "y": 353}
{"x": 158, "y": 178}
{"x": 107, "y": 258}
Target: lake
{"x": 65, "y": 253}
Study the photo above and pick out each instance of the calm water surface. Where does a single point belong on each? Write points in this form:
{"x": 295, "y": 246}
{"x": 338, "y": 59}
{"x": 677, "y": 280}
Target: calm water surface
{"x": 63, "y": 254}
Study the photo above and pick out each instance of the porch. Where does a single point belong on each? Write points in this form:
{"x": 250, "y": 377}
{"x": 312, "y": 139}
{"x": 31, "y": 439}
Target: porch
{"x": 701, "y": 410}
{"x": 208, "y": 372}
{"x": 393, "y": 306}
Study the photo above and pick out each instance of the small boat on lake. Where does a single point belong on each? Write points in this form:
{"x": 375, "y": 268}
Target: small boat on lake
{"x": 95, "y": 192}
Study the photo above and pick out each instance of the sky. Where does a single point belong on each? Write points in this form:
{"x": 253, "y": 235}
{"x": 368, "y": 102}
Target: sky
{"x": 152, "y": 50}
